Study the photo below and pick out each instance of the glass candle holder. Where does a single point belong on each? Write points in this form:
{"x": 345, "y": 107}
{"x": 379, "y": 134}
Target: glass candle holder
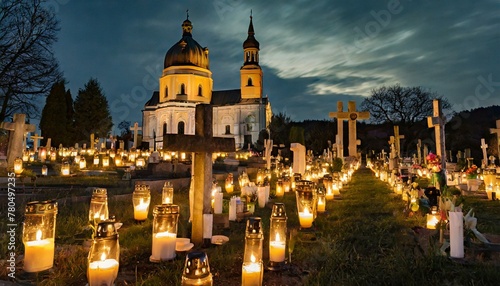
{"x": 65, "y": 170}
{"x": 141, "y": 199}
{"x": 280, "y": 191}
{"x": 104, "y": 255}
{"x": 252, "y": 269}
{"x": 277, "y": 237}
{"x": 229, "y": 184}
{"x": 45, "y": 170}
{"x": 98, "y": 206}
{"x": 38, "y": 235}
{"x": 82, "y": 163}
{"x": 18, "y": 166}
{"x": 105, "y": 161}
{"x": 166, "y": 217}
{"x": 321, "y": 206}
{"x": 306, "y": 204}
{"x": 196, "y": 270}
{"x": 96, "y": 160}
{"x": 433, "y": 218}
{"x": 167, "y": 194}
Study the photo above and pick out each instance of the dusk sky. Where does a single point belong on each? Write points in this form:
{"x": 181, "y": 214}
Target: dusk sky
{"x": 313, "y": 53}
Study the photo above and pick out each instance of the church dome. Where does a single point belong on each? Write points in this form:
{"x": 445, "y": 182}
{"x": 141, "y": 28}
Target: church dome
{"x": 251, "y": 42}
{"x": 187, "y": 51}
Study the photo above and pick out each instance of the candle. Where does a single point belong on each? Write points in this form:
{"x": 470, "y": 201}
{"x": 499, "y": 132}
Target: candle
{"x": 305, "y": 218}
{"x": 232, "y": 209}
{"x": 141, "y": 210}
{"x": 103, "y": 272}
{"x": 277, "y": 249}
{"x": 321, "y": 205}
{"x": 251, "y": 273}
{"x": 229, "y": 188}
{"x": 261, "y": 195}
{"x": 163, "y": 246}
{"x": 218, "y": 203}
{"x": 38, "y": 254}
{"x": 432, "y": 221}
{"x": 329, "y": 193}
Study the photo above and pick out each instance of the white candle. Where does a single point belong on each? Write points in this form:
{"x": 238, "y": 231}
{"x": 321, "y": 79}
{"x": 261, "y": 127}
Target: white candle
{"x": 261, "y": 195}
{"x": 38, "y": 254}
{"x": 218, "y": 203}
{"x": 277, "y": 249}
{"x": 103, "y": 272}
{"x": 163, "y": 246}
{"x": 251, "y": 274}
{"x": 141, "y": 210}
{"x": 456, "y": 234}
{"x": 232, "y": 209}
{"x": 321, "y": 205}
{"x": 305, "y": 218}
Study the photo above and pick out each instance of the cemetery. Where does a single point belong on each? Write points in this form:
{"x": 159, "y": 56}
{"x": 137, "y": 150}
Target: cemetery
{"x": 267, "y": 221}
{"x": 214, "y": 188}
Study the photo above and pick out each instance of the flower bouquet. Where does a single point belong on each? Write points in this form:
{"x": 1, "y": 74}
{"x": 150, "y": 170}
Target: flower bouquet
{"x": 472, "y": 172}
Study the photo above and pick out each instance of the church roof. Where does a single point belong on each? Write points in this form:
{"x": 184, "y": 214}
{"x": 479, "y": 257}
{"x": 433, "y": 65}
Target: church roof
{"x": 251, "y": 42}
{"x": 154, "y": 100}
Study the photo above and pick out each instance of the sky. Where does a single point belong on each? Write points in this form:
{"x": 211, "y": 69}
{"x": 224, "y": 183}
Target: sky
{"x": 313, "y": 53}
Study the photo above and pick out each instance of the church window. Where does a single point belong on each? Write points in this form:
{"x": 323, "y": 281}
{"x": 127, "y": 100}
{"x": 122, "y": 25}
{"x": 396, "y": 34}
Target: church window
{"x": 249, "y": 83}
{"x": 166, "y": 91}
{"x": 164, "y": 128}
{"x": 200, "y": 90}
{"x": 180, "y": 127}
{"x": 248, "y": 57}
{"x": 228, "y": 129}
{"x": 183, "y": 89}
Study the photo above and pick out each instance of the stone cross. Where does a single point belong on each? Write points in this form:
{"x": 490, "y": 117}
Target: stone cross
{"x": 426, "y": 152}
{"x": 392, "y": 153}
{"x": 339, "y": 138}
{"x": 36, "y": 140}
{"x": 437, "y": 120}
{"x": 17, "y": 129}
{"x": 268, "y": 144}
{"x": 397, "y": 142}
{"x": 202, "y": 144}
{"x": 485, "y": 155}
{"x": 419, "y": 151}
{"x": 383, "y": 154}
{"x": 299, "y": 158}
{"x": 497, "y": 131}
{"x": 49, "y": 144}
{"x": 136, "y": 130}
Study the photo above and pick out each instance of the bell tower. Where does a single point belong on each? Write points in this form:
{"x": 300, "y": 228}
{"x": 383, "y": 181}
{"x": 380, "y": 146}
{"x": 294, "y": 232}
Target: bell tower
{"x": 251, "y": 72}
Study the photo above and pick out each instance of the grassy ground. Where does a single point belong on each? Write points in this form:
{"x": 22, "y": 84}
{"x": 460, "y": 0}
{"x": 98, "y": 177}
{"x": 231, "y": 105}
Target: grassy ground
{"x": 365, "y": 238}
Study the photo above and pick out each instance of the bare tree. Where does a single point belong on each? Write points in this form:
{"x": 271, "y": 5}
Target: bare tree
{"x": 401, "y": 105}
{"x": 28, "y": 67}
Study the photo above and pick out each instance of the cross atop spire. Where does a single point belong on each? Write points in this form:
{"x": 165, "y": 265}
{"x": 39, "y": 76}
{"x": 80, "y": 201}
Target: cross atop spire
{"x": 187, "y": 14}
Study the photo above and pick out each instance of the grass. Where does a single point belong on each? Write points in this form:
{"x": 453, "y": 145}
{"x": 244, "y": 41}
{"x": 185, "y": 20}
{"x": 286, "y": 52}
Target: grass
{"x": 365, "y": 238}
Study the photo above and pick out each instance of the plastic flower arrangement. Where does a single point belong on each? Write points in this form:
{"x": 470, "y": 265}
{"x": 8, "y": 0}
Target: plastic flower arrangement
{"x": 433, "y": 162}
{"x": 471, "y": 172}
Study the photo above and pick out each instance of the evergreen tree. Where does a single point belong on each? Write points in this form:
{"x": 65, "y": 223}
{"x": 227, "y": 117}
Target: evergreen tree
{"x": 92, "y": 112}
{"x": 57, "y": 116}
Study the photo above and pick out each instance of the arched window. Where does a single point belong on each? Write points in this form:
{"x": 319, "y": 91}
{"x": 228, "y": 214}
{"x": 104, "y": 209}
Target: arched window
{"x": 164, "y": 128}
{"x": 248, "y": 57}
{"x": 249, "y": 83}
{"x": 228, "y": 129}
{"x": 166, "y": 91}
{"x": 180, "y": 127}
{"x": 183, "y": 89}
{"x": 200, "y": 90}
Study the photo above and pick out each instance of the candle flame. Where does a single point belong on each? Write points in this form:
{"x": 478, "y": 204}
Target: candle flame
{"x": 277, "y": 237}
{"x": 38, "y": 235}
{"x": 252, "y": 258}
{"x": 103, "y": 256}
{"x": 306, "y": 211}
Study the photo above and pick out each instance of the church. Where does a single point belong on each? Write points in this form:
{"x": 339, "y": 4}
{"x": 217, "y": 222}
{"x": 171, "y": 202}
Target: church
{"x": 186, "y": 81}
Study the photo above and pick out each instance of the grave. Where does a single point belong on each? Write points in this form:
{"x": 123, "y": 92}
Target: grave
{"x": 17, "y": 129}
{"x": 136, "y": 130}
{"x": 497, "y": 131}
{"x": 202, "y": 144}
{"x": 352, "y": 115}
{"x": 299, "y": 158}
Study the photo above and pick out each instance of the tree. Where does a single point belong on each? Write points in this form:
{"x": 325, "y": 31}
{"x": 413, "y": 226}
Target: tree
{"x": 279, "y": 128}
{"x": 28, "y": 67}
{"x": 401, "y": 105}
{"x": 124, "y": 127}
{"x": 92, "y": 112}
{"x": 297, "y": 135}
{"x": 57, "y": 116}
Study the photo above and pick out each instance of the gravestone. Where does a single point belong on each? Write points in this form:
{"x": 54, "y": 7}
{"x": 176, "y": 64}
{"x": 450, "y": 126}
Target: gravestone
{"x": 49, "y": 144}
{"x": 419, "y": 151}
{"x": 484, "y": 146}
{"x": 17, "y": 129}
{"x": 202, "y": 144}
{"x": 36, "y": 141}
{"x": 136, "y": 130}
{"x": 92, "y": 141}
{"x": 497, "y": 131}
{"x": 299, "y": 158}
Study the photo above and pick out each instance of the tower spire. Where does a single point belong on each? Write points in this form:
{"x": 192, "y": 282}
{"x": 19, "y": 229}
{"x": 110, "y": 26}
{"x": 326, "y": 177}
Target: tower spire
{"x": 187, "y": 14}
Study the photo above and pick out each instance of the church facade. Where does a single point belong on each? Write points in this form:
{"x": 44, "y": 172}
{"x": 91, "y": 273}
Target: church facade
{"x": 187, "y": 81}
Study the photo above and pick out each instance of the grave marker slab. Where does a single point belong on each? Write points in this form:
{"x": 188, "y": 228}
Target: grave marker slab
{"x": 17, "y": 129}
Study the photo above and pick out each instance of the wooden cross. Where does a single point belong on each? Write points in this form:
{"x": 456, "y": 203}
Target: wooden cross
{"x": 426, "y": 152}
{"x": 383, "y": 154}
{"x": 392, "y": 148}
{"x": 437, "y": 121}
{"x": 340, "y": 115}
{"x": 136, "y": 130}
{"x": 36, "y": 140}
{"x": 497, "y": 131}
{"x": 92, "y": 141}
{"x": 485, "y": 155}
{"x": 203, "y": 144}
{"x": 352, "y": 115}
{"x": 17, "y": 129}
{"x": 397, "y": 142}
